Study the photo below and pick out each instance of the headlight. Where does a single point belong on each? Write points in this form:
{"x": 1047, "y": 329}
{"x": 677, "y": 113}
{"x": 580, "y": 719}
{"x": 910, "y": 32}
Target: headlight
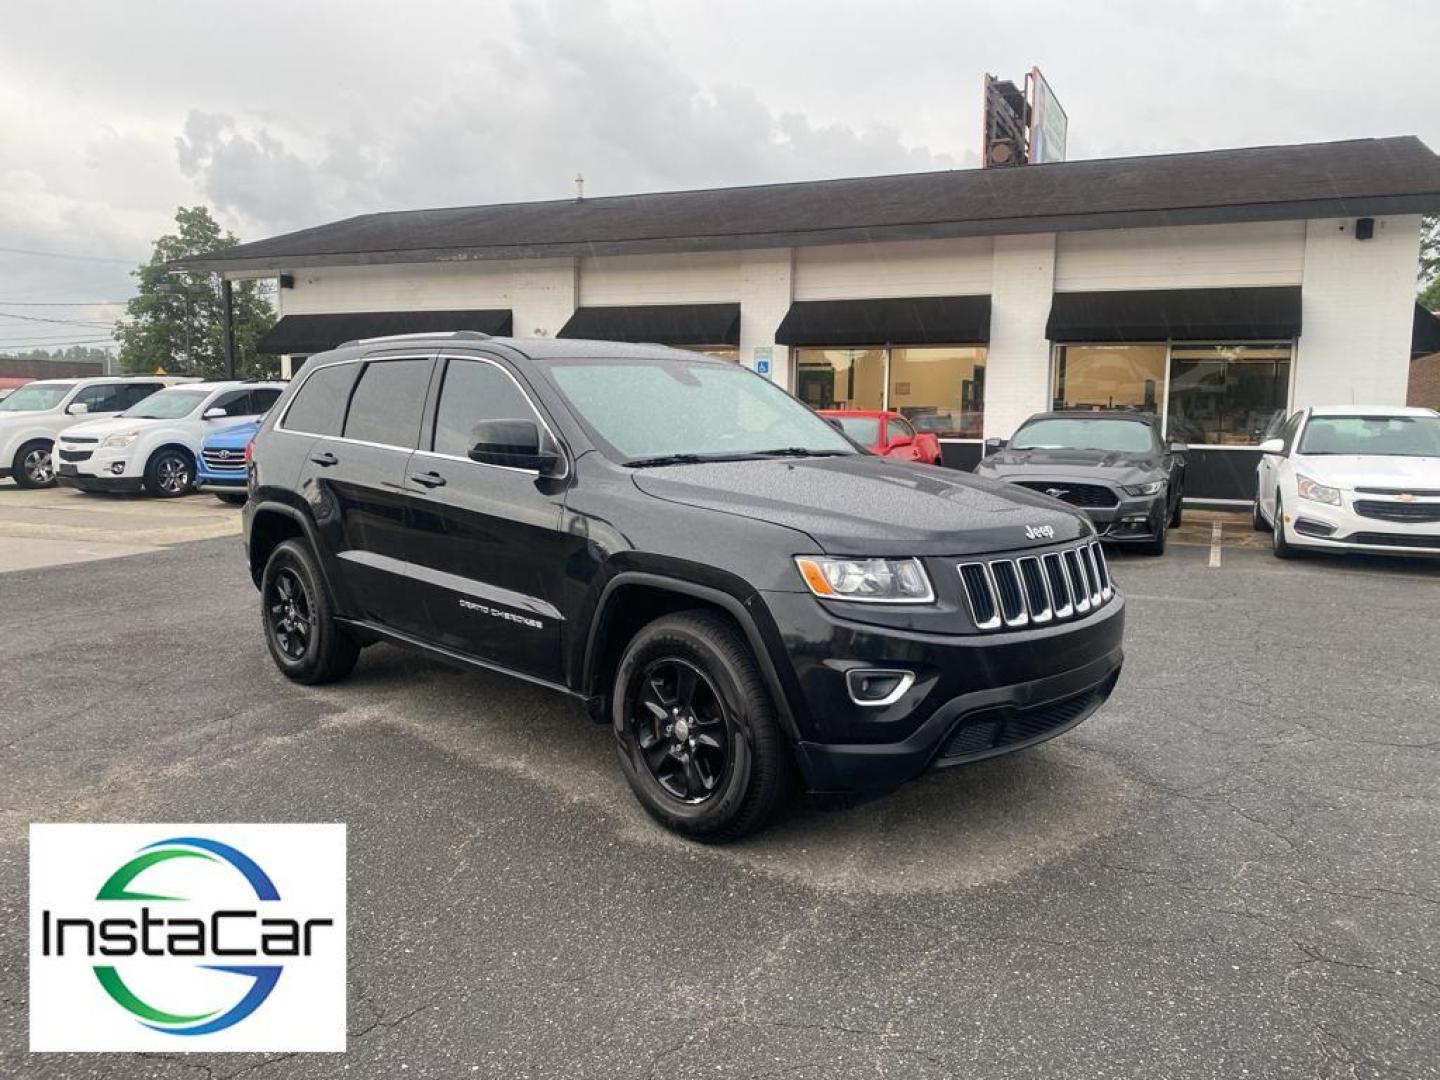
{"x": 879, "y": 581}
{"x": 119, "y": 441}
{"x": 1152, "y": 488}
{"x": 1309, "y": 489}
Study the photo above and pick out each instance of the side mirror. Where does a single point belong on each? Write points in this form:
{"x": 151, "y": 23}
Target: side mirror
{"x": 514, "y": 444}
{"x": 215, "y": 412}
{"x": 1179, "y": 448}
{"x": 78, "y": 408}
{"x": 993, "y": 445}
{"x": 1272, "y": 446}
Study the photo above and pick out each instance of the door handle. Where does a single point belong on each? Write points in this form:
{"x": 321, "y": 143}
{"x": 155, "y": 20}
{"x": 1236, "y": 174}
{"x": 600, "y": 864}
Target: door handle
{"x": 430, "y": 479}
{"x": 325, "y": 459}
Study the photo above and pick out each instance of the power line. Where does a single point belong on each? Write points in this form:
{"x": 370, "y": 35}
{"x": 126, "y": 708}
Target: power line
{"x": 63, "y": 303}
{"x": 78, "y": 258}
{"x": 61, "y": 322}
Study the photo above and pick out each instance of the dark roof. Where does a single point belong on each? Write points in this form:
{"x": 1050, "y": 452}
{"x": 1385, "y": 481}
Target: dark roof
{"x": 307, "y": 334}
{"x": 1230, "y": 314}
{"x": 1425, "y": 337}
{"x": 663, "y": 324}
{"x": 919, "y": 320}
{"x": 1337, "y": 179}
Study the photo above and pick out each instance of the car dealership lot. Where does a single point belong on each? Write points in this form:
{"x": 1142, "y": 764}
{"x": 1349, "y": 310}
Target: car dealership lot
{"x": 1231, "y": 868}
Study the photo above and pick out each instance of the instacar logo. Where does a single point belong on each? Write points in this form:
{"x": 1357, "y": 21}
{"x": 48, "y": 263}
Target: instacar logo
{"x": 187, "y": 943}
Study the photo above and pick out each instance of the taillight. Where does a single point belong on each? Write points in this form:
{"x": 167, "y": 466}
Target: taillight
{"x": 249, "y": 451}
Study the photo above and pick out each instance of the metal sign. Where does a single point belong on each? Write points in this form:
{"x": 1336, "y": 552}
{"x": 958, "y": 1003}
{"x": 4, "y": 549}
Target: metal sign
{"x": 763, "y": 355}
{"x": 1048, "y": 122}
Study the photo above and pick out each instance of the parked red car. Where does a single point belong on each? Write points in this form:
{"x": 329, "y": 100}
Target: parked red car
{"x": 886, "y": 433}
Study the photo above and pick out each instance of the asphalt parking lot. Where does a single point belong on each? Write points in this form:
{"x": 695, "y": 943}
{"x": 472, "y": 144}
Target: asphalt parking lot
{"x": 1231, "y": 870}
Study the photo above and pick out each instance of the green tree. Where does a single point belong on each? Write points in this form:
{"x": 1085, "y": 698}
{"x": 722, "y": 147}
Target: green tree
{"x": 1429, "y": 256}
{"x": 175, "y": 320}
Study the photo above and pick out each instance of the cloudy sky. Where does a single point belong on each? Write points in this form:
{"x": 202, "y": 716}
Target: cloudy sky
{"x": 280, "y": 114}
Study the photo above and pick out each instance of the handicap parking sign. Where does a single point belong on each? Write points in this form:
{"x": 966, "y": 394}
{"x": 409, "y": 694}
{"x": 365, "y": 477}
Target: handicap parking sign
{"x": 762, "y": 360}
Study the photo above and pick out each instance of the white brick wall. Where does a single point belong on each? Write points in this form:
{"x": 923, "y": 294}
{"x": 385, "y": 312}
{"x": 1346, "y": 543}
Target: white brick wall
{"x": 960, "y": 267}
{"x": 1017, "y": 370}
{"x": 1183, "y": 257}
{"x": 1357, "y": 302}
{"x": 660, "y": 279}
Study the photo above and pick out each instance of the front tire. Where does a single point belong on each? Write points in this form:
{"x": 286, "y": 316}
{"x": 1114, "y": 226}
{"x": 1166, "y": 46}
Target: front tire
{"x": 170, "y": 473}
{"x": 1177, "y": 515}
{"x": 1282, "y": 547}
{"x": 305, "y": 642}
{"x": 696, "y": 729}
{"x": 32, "y": 467}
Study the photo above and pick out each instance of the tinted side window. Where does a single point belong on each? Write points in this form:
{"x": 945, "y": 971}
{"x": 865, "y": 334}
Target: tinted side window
{"x": 107, "y": 397}
{"x": 261, "y": 399}
{"x": 235, "y": 403}
{"x": 319, "y": 406}
{"x": 387, "y": 402}
{"x": 475, "y": 391}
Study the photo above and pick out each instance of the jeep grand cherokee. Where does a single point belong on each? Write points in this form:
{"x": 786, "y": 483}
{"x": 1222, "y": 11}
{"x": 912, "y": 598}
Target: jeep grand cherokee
{"x": 749, "y": 599}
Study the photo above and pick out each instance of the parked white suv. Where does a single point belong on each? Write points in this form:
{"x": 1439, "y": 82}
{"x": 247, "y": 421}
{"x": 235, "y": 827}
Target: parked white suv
{"x": 1352, "y": 478}
{"x": 154, "y": 445}
{"x": 37, "y": 412}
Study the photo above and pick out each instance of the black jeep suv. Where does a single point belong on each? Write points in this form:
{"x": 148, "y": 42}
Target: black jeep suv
{"x": 749, "y": 599}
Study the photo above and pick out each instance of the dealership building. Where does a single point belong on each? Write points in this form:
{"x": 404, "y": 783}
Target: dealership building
{"x": 1214, "y": 289}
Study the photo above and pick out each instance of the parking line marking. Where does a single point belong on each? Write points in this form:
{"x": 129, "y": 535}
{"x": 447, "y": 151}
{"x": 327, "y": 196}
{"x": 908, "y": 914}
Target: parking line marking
{"x": 1216, "y": 528}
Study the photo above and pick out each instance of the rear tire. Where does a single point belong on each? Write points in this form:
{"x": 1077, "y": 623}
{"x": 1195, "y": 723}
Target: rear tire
{"x": 32, "y": 466}
{"x": 170, "y": 473}
{"x": 696, "y": 729}
{"x": 305, "y": 642}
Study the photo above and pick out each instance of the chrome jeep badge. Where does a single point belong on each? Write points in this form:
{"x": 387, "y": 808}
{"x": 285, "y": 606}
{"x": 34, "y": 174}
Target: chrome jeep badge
{"x": 1037, "y": 532}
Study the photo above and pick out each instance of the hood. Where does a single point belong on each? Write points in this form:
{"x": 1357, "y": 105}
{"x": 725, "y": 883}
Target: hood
{"x": 98, "y": 429}
{"x": 1118, "y": 468}
{"x": 233, "y": 437}
{"x": 867, "y": 505}
{"x": 1355, "y": 470}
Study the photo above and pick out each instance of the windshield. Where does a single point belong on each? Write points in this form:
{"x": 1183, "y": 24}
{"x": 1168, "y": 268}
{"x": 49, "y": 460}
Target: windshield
{"x": 863, "y": 429}
{"x": 1381, "y": 436}
{"x": 666, "y": 408}
{"x": 166, "y": 405}
{"x": 35, "y": 397}
{"x": 1115, "y": 436}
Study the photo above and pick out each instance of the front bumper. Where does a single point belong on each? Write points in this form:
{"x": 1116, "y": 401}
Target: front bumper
{"x": 973, "y": 696}
{"x": 100, "y": 483}
{"x": 1324, "y": 527}
{"x": 220, "y": 481}
{"x": 1133, "y": 518}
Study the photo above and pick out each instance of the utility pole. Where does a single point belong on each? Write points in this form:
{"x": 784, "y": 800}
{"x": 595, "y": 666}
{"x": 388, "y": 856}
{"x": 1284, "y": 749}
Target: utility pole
{"x": 227, "y": 297}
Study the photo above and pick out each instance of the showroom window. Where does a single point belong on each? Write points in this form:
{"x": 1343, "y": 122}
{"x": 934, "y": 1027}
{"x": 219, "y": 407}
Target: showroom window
{"x": 938, "y": 388}
{"x": 1226, "y": 395}
{"x": 1209, "y": 394}
{"x": 1109, "y": 377}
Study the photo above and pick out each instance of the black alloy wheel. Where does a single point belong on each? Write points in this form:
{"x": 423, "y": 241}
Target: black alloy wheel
{"x": 681, "y": 728}
{"x": 697, "y": 733}
{"x": 305, "y": 641}
{"x": 291, "y": 614}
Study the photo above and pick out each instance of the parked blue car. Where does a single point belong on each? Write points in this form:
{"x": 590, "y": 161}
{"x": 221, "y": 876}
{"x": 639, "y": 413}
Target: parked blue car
{"x": 221, "y": 468}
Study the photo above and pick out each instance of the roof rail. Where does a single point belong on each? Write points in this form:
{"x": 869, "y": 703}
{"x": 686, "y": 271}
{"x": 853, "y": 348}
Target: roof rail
{"x": 473, "y": 334}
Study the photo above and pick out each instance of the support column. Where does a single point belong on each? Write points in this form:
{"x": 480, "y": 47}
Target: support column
{"x": 765, "y": 291}
{"x": 543, "y": 297}
{"x": 1017, "y": 366}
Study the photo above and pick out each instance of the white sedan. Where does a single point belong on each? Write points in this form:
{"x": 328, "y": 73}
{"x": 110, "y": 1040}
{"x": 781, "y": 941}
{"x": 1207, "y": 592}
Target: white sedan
{"x": 1352, "y": 478}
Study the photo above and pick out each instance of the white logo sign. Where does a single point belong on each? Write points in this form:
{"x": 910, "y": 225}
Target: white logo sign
{"x": 176, "y": 938}
{"x": 1036, "y": 532}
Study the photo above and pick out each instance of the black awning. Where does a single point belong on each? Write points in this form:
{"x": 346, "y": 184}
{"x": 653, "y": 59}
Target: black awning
{"x": 902, "y": 320}
{"x": 306, "y": 334}
{"x": 1425, "y": 338}
{"x": 1262, "y": 314}
{"x": 658, "y": 324}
